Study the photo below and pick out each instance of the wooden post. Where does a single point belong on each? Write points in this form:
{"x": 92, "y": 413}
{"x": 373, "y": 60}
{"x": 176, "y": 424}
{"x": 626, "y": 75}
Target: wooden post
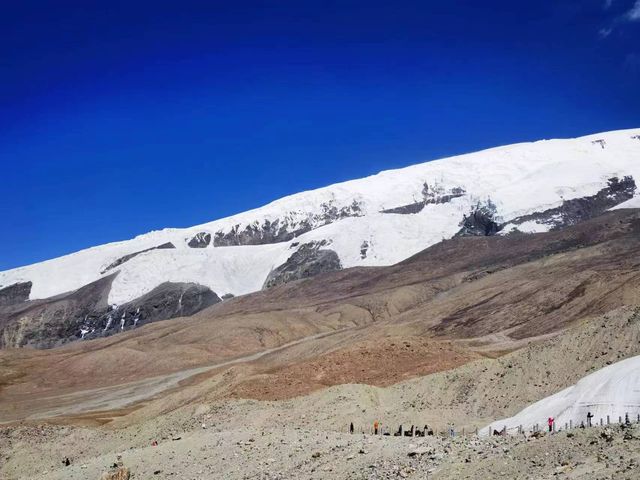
{"x": 608, "y": 420}
{"x": 601, "y": 422}
{"x": 566, "y": 426}
{"x": 570, "y": 424}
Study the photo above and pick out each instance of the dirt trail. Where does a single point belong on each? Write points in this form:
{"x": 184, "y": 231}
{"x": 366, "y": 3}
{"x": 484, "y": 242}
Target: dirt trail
{"x": 119, "y": 396}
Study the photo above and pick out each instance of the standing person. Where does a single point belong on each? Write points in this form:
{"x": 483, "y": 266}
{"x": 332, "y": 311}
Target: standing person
{"x": 375, "y": 427}
{"x": 589, "y": 417}
{"x": 550, "y": 421}
{"x": 351, "y": 429}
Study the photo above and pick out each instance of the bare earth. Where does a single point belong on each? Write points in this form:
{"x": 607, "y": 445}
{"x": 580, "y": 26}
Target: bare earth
{"x": 468, "y": 331}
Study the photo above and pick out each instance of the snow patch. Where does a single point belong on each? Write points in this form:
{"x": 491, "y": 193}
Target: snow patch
{"x": 613, "y": 391}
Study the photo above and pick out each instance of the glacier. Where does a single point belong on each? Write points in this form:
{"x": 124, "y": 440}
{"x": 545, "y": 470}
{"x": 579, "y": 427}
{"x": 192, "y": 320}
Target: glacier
{"x": 517, "y": 179}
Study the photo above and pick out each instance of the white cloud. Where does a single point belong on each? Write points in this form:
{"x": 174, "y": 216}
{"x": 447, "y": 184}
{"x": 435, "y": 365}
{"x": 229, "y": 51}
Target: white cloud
{"x": 634, "y": 14}
{"x": 605, "y": 32}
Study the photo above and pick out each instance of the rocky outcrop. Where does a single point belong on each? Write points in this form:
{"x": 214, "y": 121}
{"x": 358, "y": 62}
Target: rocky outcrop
{"x": 309, "y": 260}
{"x": 364, "y": 248}
{"x": 85, "y": 314}
{"x": 53, "y": 321}
{"x": 578, "y": 210}
{"x": 285, "y": 229}
{"x": 200, "y": 240}
{"x": 481, "y": 221}
{"x": 16, "y": 293}
{"x": 430, "y": 196}
{"x": 128, "y": 257}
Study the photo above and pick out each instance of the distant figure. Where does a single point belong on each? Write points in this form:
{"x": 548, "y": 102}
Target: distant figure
{"x": 589, "y": 417}
{"x": 452, "y": 431}
{"x": 399, "y": 432}
{"x": 375, "y": 427}
{"x": 351, "y": 429}
{"x": 66, "y": 462}
{"x": 550, "y": 421}
{"x": 626, "y": 419}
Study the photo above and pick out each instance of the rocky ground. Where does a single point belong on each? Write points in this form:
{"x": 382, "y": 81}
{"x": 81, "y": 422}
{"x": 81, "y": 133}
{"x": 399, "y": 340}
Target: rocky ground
{"x": 38, "y": 452}
{"x": 277, "y": 376}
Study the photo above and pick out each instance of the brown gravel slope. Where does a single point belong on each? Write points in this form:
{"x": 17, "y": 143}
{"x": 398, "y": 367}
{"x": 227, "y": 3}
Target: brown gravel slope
{"x": 450, "y": 302}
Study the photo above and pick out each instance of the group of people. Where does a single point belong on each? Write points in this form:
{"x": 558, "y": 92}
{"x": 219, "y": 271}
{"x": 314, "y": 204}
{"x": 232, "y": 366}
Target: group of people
{"x": 412, "y": 432}
{"x": 551, "y": 424}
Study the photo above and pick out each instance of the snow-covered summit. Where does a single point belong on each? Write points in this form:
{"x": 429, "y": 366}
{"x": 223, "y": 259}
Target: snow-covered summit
{"x": 378, "y": 220}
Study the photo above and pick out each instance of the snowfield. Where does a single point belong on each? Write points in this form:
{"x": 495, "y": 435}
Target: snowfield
{"x": 519, "y": 179}
{"x": 613, "y": 390}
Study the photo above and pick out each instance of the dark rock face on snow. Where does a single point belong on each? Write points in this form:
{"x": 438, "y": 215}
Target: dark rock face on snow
{"x": 483, "y": 220}
{"x": 128, "y": 257}
{"x": 53, "y": 321}
{"x": 309, "y": 260}
{"x": 578, "y": 210}
{"x": 166, "y": 301}
{"x": 200, "y": 240}
{"x": 480, "y": 222}
{"x": 283, "y": 230}
{"x": 16, "y": 293}
{"x": 364, "y": 248}
{"x": 85, "y": 314}
{"x": 430, "y": 195}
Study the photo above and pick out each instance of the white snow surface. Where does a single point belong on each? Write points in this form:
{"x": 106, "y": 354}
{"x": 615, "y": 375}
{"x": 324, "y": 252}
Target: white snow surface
{"x": 519, "y": 179}
{"x": 633, "y": 203}
{"x": 613, "y": 390}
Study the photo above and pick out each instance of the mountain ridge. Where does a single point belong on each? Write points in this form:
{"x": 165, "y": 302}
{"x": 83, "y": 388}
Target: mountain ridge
{"x": 374, "y": 221}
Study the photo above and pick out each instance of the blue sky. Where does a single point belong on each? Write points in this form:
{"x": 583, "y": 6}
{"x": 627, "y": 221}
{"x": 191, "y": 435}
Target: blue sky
{"x": 117, "y": 118}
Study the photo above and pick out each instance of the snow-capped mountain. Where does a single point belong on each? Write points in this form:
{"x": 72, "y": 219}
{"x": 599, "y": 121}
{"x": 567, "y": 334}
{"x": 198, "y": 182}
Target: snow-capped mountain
{"x": 611, "y": 391}
{"x": 378, "y": 220}
{"x": 361, "y": 220}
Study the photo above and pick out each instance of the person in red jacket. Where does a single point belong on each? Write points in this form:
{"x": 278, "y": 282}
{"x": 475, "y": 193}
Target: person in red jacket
{"x": 550, "y": 422}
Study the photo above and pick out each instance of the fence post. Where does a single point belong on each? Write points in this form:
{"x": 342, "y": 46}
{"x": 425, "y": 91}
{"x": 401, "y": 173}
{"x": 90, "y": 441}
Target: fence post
{"x": 566, "y": 426}
{"x": 608, "y": 420}
{"x": 570, "y": 424}
{"x": 601, "y": 422}
{"x": 620, "y": 419}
